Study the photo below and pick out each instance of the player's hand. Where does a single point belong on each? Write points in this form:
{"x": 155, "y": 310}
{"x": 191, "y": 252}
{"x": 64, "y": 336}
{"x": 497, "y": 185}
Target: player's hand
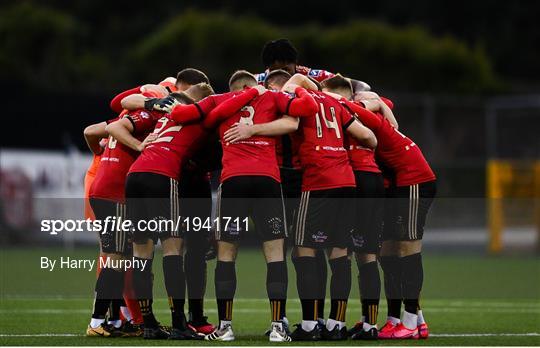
{"x": 160, "y": 104}
{"x": 238, "y": 132}
{"x": 290, "y": 87}
{"x": 158, "y": 89}
{"x": 147, "y": 141}
{"x": 261, "y": 89}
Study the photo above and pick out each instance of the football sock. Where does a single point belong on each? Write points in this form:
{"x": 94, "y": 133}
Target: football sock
{"x": 370, "y": 289}
{"x": 421, "y": 319}
{"x": 276, "y": 288}
{"x": 175, "y": 284}
{"x": 409, "y": 320}
{"x": 322, "y": 267}
{"x": 225, "y": 282}
{"x": 224, "y": 323}
{"x": 391, "y": 266}
{"x": 412, "y": 279}
{"x": 393, "y": 320}
{"x": 308, "y": 325}
{"x": 340, "y": 287}
{"x": 116, "y": 323}
{"x": 131, "y": 299}
{"x": 109, "y": 286}
{"x": 125, "y": 313}
{"x": 142, "y": 285}
{"x": 331, "y": 324}
{"x": 94, "y": 322}
{"x": 195, "y": 267}
{"x": 307, "y": 278}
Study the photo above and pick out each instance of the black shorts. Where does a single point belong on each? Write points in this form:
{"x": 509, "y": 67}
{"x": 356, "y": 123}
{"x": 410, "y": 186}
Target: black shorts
{"x": 153, "y": 197}
{"x": 113, "y": 240}
{"x": 325, "y": 218}
{"x": 369, "y": 212}
{"x": 258, "y": 197}
{"x": 195, "y": 203}
{"x": 291, "y": 182}
{"x": 406, "y": 209}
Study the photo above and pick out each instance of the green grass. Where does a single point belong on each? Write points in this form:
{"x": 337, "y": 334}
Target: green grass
{"x": 462, "y": 295}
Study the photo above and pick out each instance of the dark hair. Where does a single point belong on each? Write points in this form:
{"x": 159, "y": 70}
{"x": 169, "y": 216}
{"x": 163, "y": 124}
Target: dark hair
{"x": 191, "y": 76}
{"x": 245, "y": 78}
{"x": 338, "y": 83}
{"x": 182, "y": 98}
{"x": 281, "y": 75}
{"x": 280, "y": 50}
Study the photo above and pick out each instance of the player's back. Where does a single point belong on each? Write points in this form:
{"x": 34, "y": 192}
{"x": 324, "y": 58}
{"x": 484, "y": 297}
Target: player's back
{"x": 322, "y": 153}
{"x": 256, "y": 155}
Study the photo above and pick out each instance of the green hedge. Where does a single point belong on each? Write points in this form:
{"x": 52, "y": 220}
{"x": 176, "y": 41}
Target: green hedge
{"x": 51, "y": 49}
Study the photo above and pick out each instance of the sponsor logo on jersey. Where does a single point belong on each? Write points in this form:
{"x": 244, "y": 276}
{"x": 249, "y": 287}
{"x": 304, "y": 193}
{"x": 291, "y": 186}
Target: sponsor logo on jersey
{"x": 315, "y": 73}
{"x": 145, "y": 114}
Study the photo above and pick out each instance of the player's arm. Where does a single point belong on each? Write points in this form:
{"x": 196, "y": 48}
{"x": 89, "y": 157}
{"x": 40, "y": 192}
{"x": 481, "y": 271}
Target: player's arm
{"x": 231, "y": 106}
{"x": 363, "y": 134}
{"x": 368, "y": 118}
{"x": 359, "y": 86}
{"x": 299, "y": 80}
{"x": 122, "y": 130}
{"x": 93, "y": 135}
{"x": 116, "y": 102}
{"x": 148, "y": 98}
{"x": 281, "y": 126}
{"x": 374, "y": 103}
{"x": 303, "y": 105}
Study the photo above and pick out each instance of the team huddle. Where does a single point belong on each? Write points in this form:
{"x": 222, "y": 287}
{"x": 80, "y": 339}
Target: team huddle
{"x": 311, "y": 162}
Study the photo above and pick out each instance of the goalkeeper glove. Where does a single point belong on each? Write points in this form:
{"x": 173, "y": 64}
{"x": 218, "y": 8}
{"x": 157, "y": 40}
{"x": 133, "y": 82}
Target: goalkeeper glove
{"x": 160, "y": 104}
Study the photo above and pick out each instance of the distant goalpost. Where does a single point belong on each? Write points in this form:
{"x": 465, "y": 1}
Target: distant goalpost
{"x": 512, "y": 179}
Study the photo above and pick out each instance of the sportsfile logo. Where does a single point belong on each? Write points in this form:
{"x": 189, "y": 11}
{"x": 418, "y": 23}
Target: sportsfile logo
{"x": 111, "y": 223}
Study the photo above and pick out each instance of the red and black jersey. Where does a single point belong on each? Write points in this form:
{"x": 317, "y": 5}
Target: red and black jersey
{"x": 322, "y": 153}
{"x": 117, "y": 158}
{"x": 256, "y": 155}
{"x": 362, "y": 158}
{"x": 167, "y": 154}
{"x": 395, "y": 151}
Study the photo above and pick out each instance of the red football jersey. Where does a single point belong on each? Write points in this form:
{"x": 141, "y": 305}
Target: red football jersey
{"x": 169, "y": 152}
{"x": 362, "y": 158}
{"x": 256, "y": 155}
{"x": 395, "y": 150}
{"x": 323, "y": 157}
{"x": 117, "y": 158}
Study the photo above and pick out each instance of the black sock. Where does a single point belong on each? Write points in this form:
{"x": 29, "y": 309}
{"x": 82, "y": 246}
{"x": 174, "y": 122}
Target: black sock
{"x": 276, "y": 288}
{"x": 225, "y": 279}
{"x": 391, "y": 266}
{"x": 413, "y": 278}
{"x": 195, "y": 267}
{"x": 175, "y": 284}
{"x": 322, "y": 267}
{"x": 307, "y": 278}
{"x": 340, "y": 287}
{"x": 109, "y": 286}
{"x": 370, "y": 289}
{"x": 142, "y": 285}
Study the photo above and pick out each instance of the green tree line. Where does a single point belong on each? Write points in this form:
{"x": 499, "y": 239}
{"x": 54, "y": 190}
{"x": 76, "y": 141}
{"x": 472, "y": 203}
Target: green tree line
{"x": 50, "y": 49}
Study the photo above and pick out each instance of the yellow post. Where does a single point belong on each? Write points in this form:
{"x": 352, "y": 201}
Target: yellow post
{"x": 495, "y": 211}
{"x": 536, "y": 198}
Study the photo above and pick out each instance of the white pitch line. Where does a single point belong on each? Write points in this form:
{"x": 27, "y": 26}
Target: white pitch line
{"x": 527, "y": 334}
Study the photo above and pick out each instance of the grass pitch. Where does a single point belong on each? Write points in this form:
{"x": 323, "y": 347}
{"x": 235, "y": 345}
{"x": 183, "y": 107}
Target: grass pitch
{"x": 467, "y": 300}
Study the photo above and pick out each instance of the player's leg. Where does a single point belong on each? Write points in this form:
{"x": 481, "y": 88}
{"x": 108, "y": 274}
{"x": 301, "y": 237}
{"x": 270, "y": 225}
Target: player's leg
{"x": 196, "y": 202}
{"x": 420, "y": 198}
{"x": 232, "y": 203}
{"x": 142, "y": 194}
{"x": 109, "y": 284}
{"x": 305, "y": 264}
{"x": 391, "y": 265}
{"x": 339, "y": 210}
{"x": 366, "y": 244}
{"x": 270, "y": 222}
